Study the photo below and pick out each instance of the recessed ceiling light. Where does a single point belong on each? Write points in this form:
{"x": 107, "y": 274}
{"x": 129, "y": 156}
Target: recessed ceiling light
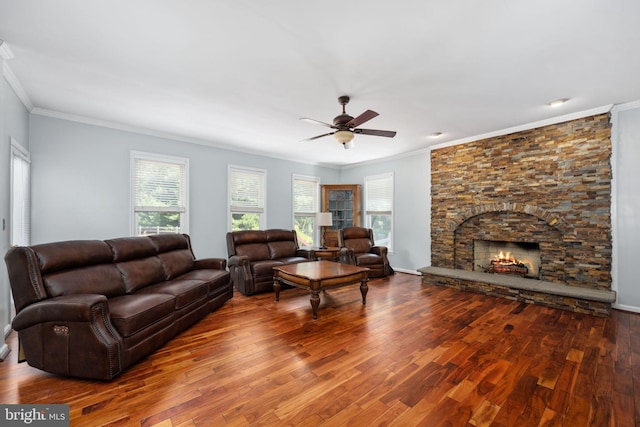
{"x": 436, "y": 134}
{"x": 558, "y": 102}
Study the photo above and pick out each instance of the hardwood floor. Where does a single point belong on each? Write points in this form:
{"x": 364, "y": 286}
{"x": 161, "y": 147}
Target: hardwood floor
{"x": 414, "y": 355}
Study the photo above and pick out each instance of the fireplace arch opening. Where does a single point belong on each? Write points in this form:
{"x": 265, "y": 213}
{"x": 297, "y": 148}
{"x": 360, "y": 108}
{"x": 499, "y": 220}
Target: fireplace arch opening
{"x": 539, "y": 242}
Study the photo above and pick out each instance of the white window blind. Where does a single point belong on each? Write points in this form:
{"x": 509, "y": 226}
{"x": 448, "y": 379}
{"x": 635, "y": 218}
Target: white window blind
{"x": 379, "y": 208}
{"x": 305, "y": 195}
{"x": 160, "y": 193}
{"x": 379, "y": 194}
{"x": 305, "y": 206}
{"x": 247, "y": 190}
{"x": 159, "y": 184}
{"x": 247, "y": 198}
{"x": 20, "y": 195}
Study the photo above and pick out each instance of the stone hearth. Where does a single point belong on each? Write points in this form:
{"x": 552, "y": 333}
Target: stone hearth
{"x": 549, "y": 186}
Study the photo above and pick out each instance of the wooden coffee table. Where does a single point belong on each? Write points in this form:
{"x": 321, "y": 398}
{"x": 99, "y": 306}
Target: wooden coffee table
{"x": 317, "y": 276}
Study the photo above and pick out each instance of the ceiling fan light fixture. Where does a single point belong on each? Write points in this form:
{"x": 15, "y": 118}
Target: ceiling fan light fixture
{"x": 349, "y": 145}
{"x": 343, "y": 136}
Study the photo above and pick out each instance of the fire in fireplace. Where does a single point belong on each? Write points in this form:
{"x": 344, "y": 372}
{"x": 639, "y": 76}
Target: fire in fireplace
{"x": 518, "y": 258}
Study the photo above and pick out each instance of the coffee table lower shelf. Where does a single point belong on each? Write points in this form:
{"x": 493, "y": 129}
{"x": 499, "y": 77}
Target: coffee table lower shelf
{"x": 317, "y": 276}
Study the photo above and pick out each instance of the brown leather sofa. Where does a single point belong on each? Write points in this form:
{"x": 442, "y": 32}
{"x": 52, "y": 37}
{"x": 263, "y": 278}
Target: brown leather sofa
{"x": 253, "y": 254}
{"x": 92, "y": 308}
{"x": 357, "y": 247}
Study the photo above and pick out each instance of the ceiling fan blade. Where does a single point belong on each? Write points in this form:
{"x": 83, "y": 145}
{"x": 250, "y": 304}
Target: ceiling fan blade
{"x": 306, "y": 119}
{"x": 362, "y": 118}
{"x": 316, "y": 137}
{"x": 375, "y": 132}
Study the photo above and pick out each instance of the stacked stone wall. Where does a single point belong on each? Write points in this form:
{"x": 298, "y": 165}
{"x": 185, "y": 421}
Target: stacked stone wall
{"x": 555, "y": 181}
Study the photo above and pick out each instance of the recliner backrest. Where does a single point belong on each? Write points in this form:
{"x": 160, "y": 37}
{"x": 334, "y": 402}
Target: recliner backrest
{"x": 358, "y": 239}
{"x": 78, "y": 267}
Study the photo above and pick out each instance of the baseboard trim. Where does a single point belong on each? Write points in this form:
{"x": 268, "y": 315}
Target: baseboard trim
{"x": 404, "y": 270}
{"x": 4, "y": 351}
{"x": 623, "y": 307}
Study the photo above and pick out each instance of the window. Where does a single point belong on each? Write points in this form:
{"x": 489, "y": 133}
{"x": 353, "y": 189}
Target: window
{"x": 159, "y": 196}
{"x": 247, "y": 198}
{"x": 379, "y": 208}
{"x": 305, "y": 206}
{"x": 20, "y": 195}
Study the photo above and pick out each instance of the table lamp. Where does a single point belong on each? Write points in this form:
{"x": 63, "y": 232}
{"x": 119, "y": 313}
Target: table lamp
{"x": 323, "y": 219}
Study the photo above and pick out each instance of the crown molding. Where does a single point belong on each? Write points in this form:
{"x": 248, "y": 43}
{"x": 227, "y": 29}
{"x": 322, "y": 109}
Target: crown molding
{"x": 627, "y": 106}
{"x": 166, "y": 135}
{"x": 5, "y": 52}
{"x": 528, "y": 126}
{"x": 16, "y": 86}
{"x": 520, "y": 128}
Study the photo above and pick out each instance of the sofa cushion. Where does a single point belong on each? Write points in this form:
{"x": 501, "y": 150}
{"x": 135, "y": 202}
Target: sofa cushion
{"x": 133, "y": 313}
{"x": 244, "y": 237}
{"x": 282, "y": 249}
{"x": 368, "y": 259}
{"x": 128, "y": 248}
{"x": 72, "y": 254}
{"x": 139, "y": 273}
{"x": 292, "y": 260}
{"x": 176, "y": 262}
{"x": 215, "y": 279}
{"x": 265, "y": 268}
{"x": 255, "y": 251}
{"x": 169, "y": 242}
{"x": 358, "y": 245}
{"x": 102, "y": 279}
{"x": 278, "y": 235}
{"x": 185, "y": 291}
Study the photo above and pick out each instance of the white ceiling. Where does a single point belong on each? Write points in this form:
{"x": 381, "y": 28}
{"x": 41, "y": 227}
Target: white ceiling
{"x": 240, "y": 73}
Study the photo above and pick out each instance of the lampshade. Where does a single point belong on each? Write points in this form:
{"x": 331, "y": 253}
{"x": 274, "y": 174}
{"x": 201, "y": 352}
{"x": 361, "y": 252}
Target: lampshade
{"x": 343, "y": 136}
{"x": 324, "y": 219}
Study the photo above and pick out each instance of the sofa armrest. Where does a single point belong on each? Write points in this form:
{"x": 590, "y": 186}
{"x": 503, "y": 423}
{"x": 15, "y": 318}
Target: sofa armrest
{"x": 239, "y": 261}
{"x": 379, "y": 250}
{"x": 240, "y": 269}
{"x": 306, "y": 253}
{"x": 67, "y": 308}
{"x": 211, "y": 263}
{"x": 70, "y": 335}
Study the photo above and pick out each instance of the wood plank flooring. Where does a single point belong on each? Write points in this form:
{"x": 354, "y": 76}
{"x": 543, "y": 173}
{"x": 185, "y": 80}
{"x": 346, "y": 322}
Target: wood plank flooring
{"x": 415, "y": 355}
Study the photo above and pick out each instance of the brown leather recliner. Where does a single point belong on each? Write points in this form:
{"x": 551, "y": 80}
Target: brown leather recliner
{"x": 254, "y": 253}
{"x": 358, "y": 248}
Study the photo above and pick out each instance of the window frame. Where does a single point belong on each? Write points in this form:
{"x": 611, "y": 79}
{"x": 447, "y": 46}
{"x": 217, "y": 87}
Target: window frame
{"x": 369, "y": 212}
{"x": 231, "y": 210}
{"x": 182, "y": 210}
{"x": 20, "y": 152}
{"x": 316, "y": 205}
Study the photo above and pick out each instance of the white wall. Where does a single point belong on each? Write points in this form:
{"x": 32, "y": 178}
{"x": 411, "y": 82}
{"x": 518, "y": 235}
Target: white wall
{"x": 14, "y": 123}
{"x": 626, "y": 211}
{"x": 412, "y": 206}
{"x": 80, "y": 183}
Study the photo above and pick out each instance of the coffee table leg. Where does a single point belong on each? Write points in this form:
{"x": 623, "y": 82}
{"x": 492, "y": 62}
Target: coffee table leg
{"x": 276, "y": 287}
{"x": 315, "y": 303}
{"x": 363, "y": 290}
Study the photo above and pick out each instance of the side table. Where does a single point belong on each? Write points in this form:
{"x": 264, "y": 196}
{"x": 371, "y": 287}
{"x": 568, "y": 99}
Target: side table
{"x": 316, "y": 253}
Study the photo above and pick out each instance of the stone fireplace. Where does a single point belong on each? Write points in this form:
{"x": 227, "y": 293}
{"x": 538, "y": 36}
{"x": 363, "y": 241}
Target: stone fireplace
{"x": 545, "y": 190}
{"x": 500, "y": 257}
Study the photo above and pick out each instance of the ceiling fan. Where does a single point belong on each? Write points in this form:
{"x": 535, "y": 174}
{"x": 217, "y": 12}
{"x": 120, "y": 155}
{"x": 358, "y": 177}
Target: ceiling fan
{"x": 346, "y": 126}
